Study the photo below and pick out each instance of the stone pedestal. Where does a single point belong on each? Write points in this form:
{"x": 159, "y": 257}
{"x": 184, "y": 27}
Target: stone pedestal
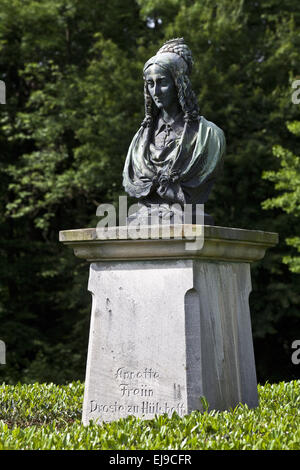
{"x": 170, "y": 323}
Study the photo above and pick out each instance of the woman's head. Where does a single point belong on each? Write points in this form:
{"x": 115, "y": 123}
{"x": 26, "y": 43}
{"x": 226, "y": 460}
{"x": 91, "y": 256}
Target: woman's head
{"x": 169, "y": 71}
{"x": 161, "y": 86}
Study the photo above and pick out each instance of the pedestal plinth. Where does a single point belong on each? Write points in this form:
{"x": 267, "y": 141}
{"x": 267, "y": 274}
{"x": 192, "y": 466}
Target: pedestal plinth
{"x": 170, "y": 322}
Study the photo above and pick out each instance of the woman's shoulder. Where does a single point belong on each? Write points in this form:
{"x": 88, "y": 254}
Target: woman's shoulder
{"x": 206, "y": 125}
{"x": 209, "y": 124}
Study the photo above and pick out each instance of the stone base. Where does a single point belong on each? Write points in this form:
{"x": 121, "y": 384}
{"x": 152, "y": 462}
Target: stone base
{"x": 169, "y": 326}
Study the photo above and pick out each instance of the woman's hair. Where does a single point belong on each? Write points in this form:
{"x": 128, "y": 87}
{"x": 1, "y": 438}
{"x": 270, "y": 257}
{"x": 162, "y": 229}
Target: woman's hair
{"x": 186, "y": 96}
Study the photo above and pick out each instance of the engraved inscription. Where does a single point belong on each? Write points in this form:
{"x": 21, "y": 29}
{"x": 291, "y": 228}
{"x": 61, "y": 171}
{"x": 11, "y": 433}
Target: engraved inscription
{"x": 145, "y": 407}
{"x": 141, "y": 386}
{"x": 123, "y": 373}
{"x": 128, "y": 391}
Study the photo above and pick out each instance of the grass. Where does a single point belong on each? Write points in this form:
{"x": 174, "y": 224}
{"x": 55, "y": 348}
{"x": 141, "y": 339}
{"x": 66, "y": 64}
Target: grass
{"x": 47, "y": 416}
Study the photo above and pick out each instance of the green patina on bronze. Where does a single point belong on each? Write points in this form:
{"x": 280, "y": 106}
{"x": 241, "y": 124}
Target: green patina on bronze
{"x": 176, "y": 154}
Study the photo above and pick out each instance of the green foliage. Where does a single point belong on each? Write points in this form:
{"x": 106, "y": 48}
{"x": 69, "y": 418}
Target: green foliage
{"x": 62, "y": 123}
{"x": 44, "y": 417}
{"x": 40, "y": 404}
{"x": 287, "y": 183}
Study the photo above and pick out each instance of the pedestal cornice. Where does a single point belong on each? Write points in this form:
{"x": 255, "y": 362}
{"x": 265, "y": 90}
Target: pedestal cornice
{"x": 203, "y": 242}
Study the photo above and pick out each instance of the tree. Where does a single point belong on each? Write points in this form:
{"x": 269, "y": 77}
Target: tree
{"x": 57, "y": 142}
{"x": 287, "y": 183}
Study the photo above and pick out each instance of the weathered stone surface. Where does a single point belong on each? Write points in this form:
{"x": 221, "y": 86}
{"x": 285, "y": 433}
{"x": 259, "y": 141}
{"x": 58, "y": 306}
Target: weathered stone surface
{"x": 137, "y": 355}
{"x": 169, "y": 325}
{"x": 220, "y": 243}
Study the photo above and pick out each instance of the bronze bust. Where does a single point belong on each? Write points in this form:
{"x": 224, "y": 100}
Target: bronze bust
{"x": 176, "y": 154}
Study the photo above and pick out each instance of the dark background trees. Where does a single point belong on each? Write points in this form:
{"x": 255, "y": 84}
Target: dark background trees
{"x": 73, "y": 72}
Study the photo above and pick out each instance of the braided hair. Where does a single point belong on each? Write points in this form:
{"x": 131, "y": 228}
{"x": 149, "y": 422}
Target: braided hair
{"x": 186, "y": 96}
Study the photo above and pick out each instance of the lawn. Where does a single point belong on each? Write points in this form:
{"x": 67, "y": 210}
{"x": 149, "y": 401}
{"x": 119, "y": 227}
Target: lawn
{"x": 48, "y": 416}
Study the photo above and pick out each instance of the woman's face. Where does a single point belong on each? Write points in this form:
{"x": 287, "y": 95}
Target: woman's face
{"x": 161, "y": 86}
